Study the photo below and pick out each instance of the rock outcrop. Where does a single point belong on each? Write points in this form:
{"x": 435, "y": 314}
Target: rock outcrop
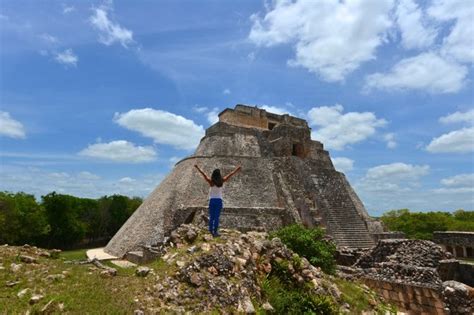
{"x": 286, "y": 178}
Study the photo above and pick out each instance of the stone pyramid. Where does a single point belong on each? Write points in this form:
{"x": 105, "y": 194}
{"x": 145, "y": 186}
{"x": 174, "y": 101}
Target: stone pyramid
{"x": 286, "y": 178}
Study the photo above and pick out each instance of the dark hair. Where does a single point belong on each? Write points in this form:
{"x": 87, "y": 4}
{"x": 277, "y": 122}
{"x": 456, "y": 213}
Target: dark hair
{"x": 216, "y": 178}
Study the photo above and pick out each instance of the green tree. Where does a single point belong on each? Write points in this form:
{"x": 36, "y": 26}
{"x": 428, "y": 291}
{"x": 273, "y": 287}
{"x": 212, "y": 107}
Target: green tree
{"x": 22, "y": 219}
{"x": 64, "y": 218}
{"x": 421, "y": 225}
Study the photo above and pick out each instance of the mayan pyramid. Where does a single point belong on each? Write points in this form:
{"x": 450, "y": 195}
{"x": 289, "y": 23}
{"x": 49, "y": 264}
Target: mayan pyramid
{"x": 286, "y": 178}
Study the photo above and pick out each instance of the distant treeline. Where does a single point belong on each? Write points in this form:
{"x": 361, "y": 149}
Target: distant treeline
{"x": 421, "y": 225}
{"x": 62, "y": 221}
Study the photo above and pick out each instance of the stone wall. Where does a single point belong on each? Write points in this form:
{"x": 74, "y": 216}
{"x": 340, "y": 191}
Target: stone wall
{"x": 460, "y": 244}
{"x": 452, "y": 269}
{"x": 253, "y": 118}
{"x": 242, "y": 219}
{"x": 409, "y": 298}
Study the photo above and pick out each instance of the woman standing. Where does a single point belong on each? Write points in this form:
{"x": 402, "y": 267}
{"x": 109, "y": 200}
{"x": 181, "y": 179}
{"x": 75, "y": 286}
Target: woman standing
{"x": 216, "y": 183}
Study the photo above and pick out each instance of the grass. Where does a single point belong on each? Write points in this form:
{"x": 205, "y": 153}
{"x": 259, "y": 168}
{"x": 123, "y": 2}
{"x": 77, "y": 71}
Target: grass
{"x": 81, "y": 291}
{"x": 360, "y": 299}
{"x": 77, "y": 254}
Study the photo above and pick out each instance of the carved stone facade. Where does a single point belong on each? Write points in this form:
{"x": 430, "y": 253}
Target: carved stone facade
{"x": 286, "y": 178}
{"x": 460, "y": 244}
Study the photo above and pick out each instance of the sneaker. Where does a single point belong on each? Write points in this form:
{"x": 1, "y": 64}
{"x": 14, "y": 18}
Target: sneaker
{"x": 216, "y": 234}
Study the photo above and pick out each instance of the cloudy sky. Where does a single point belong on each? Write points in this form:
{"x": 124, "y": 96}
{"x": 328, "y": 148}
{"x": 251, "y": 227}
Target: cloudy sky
{"x": 102, "y": 97}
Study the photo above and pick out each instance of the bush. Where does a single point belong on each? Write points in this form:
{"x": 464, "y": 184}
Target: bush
{"x": 288, "y": 299}
{"x": 310, "y": 244}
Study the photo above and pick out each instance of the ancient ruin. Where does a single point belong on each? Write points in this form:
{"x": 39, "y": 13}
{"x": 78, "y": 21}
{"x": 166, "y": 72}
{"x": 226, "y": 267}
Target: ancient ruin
{"x": 460, "y": 244}
{"x": 286, "y": 178}
{"x": 418, "y": 276}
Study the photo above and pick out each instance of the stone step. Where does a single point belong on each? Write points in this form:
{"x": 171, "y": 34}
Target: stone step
{"x": 355, "y": 240}
{"x": 351, "y": 238}
{"x": 347, "y": 222}
{"x": 347, "y": 240}
{"x": 135, "y": 256}
{"x": 351, "y": 233}
{"x": 348, "y": 228}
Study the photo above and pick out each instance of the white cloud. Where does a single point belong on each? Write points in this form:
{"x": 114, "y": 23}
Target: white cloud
{"x": 67, "y": 57}
{"x": 397, "y": 172}
{"x": 390, "y": 139}
{"x": 343, "y": 164}
{"x": 174, "y": 159}
{"x": 458, "y": 141}
{"x": 48, "y": 38}
{"x": 337, "y": 130}
{"x": 456, "y": 191}
{"x": 275, "y": 110}
{"x": 392, "y": 178}
{"x": 200, "y": 109}
{"x": 109, "y": 32}
{"x": 458, "y": 117}
{"x": 164, "y": 127}
{"x": 462, "y": 184}
{"x": 331, "y": 38}
{"x": 399, "y": 185}
{"x": 461, "y": 180}
{"x": 414, "y": 28}
{"x": 459, "y": 43}
{"x": 226, "y": 91}
{"x": 40, "y": 182}
{"x": 213, "y": 115}
{"x": 10, "y": 127}
{"x": 251, "y": 56}
{"x": 127, "y": 180}
{"x": 88, "y": 176}
{"x": 427, "y": 71}
{"x": 120, "y": 151}
{"x": 68, "y": 9}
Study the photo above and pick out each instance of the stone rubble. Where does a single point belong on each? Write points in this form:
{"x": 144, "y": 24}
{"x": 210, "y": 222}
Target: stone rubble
{"x": 224, "y": 274}
{"x": 28, "y": 259}
{"x": 458, "y": 297}
{"x": 408, "y": 261}
{"x": 412, "y": 262}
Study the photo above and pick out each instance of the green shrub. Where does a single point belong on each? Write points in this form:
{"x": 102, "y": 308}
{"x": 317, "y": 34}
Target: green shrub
{"x": 288, "y": 299}
{"x": 310, "y": 244}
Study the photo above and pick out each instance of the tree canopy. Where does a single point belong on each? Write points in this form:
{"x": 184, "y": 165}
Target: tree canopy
{"x": 421, "y": 225}
{"x": 62, "y": 221}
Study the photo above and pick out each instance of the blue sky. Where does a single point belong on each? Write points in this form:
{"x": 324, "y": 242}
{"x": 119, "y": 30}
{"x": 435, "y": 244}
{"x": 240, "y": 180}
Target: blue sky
{"x": 102, "y": 97}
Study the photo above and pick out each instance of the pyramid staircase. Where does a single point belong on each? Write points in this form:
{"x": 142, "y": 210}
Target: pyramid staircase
{"x": 343, "y": 221}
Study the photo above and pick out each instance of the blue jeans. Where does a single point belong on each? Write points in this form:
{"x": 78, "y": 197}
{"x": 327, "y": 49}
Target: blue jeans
{"x": 215, "y": 207}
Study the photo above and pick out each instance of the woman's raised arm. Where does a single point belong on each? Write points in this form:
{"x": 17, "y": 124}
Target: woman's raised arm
{"x": 208, "y": 180}
{"x": 228, "y": 176}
